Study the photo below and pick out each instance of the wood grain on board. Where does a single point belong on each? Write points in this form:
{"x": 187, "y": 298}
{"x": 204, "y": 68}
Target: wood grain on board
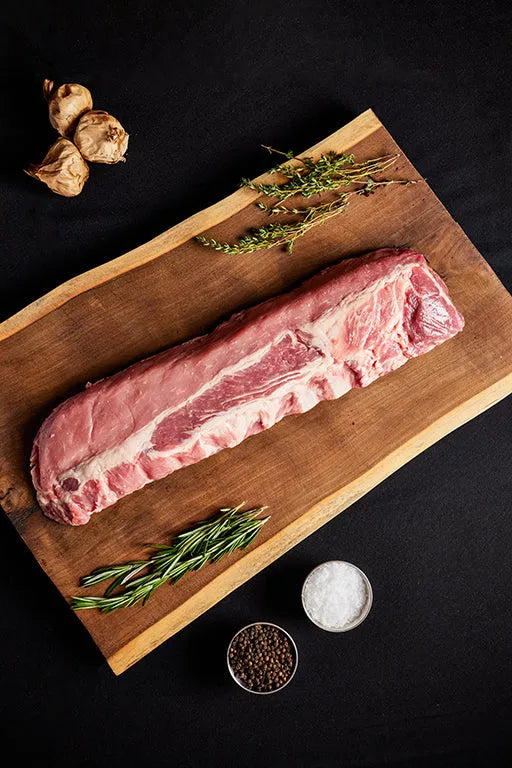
{"x": 307, "y": 468}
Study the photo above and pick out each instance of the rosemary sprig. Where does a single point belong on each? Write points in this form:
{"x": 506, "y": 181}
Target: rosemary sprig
{"x": 333, "y": 172}
{"x": 204, "y": 543}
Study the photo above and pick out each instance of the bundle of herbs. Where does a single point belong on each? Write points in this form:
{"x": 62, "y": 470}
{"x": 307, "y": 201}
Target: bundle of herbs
{"x": 206, "y": 542}
{"x": 332, "y": 172}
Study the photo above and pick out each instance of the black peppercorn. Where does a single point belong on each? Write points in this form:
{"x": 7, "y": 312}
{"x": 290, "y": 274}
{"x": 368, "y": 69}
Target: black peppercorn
{"x": 262, "y": 657}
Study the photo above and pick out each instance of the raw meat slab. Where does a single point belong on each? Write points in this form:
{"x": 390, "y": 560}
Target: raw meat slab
{"x": 342, "y": 329}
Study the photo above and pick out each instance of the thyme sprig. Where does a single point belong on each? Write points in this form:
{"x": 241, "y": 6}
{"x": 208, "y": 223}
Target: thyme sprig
{"x": 330, "y": 172}
{"x": 206, "y": 542}
{"x": 368, "y": 187}
{"x": 333, "y": 172}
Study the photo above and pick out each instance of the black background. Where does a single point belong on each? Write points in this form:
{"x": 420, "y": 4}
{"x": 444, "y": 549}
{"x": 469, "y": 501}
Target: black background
{"x": 425, "y": 681}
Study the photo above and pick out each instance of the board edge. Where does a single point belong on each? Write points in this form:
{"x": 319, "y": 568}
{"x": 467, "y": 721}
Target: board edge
{"x": 352, "y": 132}
{"x": 321, "y": 513}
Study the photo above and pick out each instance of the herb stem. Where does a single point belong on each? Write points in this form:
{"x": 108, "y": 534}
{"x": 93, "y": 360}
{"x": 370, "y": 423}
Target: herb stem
{"x": 332, "y": 172}
{"x": 206, "y": 542}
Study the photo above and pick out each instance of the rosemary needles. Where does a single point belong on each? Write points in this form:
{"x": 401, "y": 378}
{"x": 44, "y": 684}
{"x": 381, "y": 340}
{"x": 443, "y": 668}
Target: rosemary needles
{"x": 334, "y": 172}
{"x": 206, "y": 542}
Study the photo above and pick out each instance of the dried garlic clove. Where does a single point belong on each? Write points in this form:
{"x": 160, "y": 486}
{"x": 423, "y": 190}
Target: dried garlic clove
{"x": 66, "y": 105}
{"x": 63, "y": 169}
{"x": 101, "y": 138}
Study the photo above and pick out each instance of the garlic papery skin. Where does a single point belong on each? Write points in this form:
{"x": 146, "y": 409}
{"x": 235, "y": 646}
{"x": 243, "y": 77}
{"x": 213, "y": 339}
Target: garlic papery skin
{"x": 66, "y": 105}
{"x": 63, "y": 169}
{"x": 101, "y": 138}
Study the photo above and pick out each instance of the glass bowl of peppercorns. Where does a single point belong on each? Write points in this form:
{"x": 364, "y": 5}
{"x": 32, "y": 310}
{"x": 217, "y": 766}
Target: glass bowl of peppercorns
{"x": 262, "y": 658}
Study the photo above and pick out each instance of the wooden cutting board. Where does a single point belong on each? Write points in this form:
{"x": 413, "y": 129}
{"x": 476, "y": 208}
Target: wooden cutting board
{"x": 306, "y": 469}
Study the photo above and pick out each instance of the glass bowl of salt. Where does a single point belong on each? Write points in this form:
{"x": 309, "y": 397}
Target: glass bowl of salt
{"x": 337, "y": 596}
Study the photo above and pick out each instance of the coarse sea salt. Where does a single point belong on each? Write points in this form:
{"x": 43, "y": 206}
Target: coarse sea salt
{"x": 335, "y": 595}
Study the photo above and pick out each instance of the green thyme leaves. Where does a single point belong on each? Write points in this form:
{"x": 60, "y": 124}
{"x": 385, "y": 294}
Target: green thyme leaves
{"x": 333, "y": 172}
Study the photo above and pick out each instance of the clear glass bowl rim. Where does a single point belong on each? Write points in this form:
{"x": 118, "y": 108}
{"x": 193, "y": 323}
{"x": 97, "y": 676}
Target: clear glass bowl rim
{"x": 364, "y": 613}
{"x": 266, "y": 624}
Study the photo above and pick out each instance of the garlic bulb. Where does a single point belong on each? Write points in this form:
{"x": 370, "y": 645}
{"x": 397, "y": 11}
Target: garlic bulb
{"x": 101, "y": 138}
{"x": 63, "y": 169}
{"x": 66, "y": 104}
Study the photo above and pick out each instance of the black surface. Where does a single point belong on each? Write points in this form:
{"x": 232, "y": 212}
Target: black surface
{"x": 425, "y": 681}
